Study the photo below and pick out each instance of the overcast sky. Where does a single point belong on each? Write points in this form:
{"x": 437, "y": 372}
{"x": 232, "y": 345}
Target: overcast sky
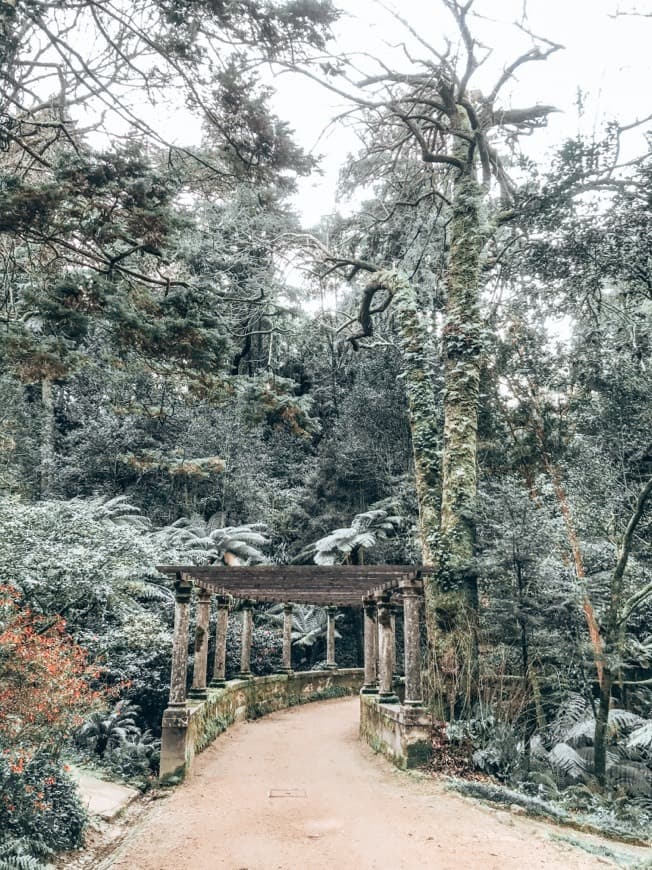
{"x": 607, "y": 57}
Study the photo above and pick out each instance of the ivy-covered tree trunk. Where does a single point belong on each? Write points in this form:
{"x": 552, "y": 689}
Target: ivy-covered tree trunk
{"x": 422, "y": 403}
{"x": 455, "y": 558}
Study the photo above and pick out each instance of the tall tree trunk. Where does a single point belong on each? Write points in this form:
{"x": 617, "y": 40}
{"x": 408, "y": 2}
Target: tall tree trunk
{"x": 615, "y": 630}
{"x": 47, "y": 439}
{"x": 601, "y": 727}
{"x": 462, "y": 350}
{"x": 462, "y": 347}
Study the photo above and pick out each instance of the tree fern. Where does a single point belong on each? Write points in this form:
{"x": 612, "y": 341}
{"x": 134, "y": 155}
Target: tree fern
{"x": 117, "y": 510}
{"x": 367, "y": 529}
{"x": 204, "y": 541}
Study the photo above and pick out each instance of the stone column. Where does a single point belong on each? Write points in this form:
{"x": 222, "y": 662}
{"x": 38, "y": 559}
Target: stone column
{"x": 247, "y": 631}
{"x": 287, "y": 639}
{"x": 198, "y": 688}
{"x": 221, "y": 624}
{"x": 331, "y": 664}
{"x": 392, "y": 612}
{"x": 411, "y": 630}
{"x": 182, "y": 593}
{"x": 370, "y": 686}
{"x": 386, "y": 695}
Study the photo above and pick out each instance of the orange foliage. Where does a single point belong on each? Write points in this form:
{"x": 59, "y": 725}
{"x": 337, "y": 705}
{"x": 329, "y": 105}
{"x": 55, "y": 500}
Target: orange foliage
{"x": 45, "y": 680}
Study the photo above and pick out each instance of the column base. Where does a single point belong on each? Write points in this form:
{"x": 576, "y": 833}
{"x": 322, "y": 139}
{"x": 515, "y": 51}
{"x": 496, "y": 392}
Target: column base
{"x": 369, "y": 689}
{"x": 217, "y": 684}
{"x": 198, "y": 694}
{"x": 330, "y": 667}
{"x": 389, "y": 698}
{"x": 245, "y": 675}
{"x": 287, "y": 671}
{"x": 416, "y": 703}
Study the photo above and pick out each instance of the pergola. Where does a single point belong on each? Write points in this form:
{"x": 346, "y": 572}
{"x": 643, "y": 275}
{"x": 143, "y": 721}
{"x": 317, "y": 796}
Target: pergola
{"x": 378, "y": 589}
{"x": 324, "y": 585}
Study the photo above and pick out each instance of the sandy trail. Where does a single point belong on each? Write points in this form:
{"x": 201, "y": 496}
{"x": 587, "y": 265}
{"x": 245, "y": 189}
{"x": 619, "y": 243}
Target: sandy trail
{"x": 338, "y": 806}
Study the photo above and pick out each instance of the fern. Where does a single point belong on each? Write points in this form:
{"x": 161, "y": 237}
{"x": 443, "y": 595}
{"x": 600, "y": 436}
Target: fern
{"x": 574, "y": 709}
{"x": 117, "y": 510}
{"x": 309, "y": 623}
{"x": 364, "y": 533}
{"x": 565, "y": 761}
{"x": 641, "y": 737}
{"x": 634, "y": 777}
{"x": 204, "y": 541}
{"x": 23, "y": 853}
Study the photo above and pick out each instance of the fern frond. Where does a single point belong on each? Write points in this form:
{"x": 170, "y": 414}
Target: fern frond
{"x": 622, "y": 721}
{"x": 641, "y": 737}
{"x": 565, "y": 760}
{"x": 634, "y": 777}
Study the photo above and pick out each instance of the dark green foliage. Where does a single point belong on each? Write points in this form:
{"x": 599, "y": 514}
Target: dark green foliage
{"x": 41, "y": 804}
{"x": 266, "y": 649}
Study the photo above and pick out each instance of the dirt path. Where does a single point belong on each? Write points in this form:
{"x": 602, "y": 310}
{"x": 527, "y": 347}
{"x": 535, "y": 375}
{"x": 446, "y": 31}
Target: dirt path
{"x": 338, "y": 806}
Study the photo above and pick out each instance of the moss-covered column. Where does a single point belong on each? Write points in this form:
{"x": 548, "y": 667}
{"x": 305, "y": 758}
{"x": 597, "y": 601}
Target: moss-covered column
{"x": 412, "y": 596}
{"x": 247, "y": 633}
{"x": 179, "y": 672}
{"x": 287, "y": 639}
{"x": 331, "y": 664}
{"x": 370, "y": 686}
{"x": 200, "y": 668}
{"x": 386, "y": 694}
{"x": 218, "y": 680}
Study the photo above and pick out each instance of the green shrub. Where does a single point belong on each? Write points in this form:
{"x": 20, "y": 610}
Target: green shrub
{"x": 40, "y": 803}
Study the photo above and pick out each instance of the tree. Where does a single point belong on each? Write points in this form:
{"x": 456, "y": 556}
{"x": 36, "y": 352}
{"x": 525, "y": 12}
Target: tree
{"x": 431, "y": 114}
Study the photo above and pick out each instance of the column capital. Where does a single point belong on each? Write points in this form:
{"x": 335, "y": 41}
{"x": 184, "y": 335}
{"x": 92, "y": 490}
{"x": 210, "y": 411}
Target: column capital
{"x": 411, "y": 588}
{"x": 369, "y": 603}
{"x": 204, "y": 595}
{"x": 182, "y": 589}
{"x": 223, "y": 601}
{"x": 288, "y": 608}
{"x": 248, "y": 604}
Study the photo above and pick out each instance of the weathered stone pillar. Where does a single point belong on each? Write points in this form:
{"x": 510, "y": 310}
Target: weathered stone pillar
{"x": 386, "y": 695}
{"x": 393, "y": 613}
{"x": 370, "y": 686}
{"x": 331, "y": 664}
{"x": 247, "y": 631}
{"x": 178, "y": 676}
{"x": 287, "y": 639}
{"x": 200, "y": 667}
{"x": 411, "y": 629}
{"x": 221, "y": 624}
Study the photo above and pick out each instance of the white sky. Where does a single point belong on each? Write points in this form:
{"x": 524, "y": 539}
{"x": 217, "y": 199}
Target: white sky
{"x": 608, "y": 58}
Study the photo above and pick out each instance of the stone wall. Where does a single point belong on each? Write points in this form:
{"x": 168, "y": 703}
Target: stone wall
{"x": 402, "y": 734}
{"x": 187, "y": 731}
